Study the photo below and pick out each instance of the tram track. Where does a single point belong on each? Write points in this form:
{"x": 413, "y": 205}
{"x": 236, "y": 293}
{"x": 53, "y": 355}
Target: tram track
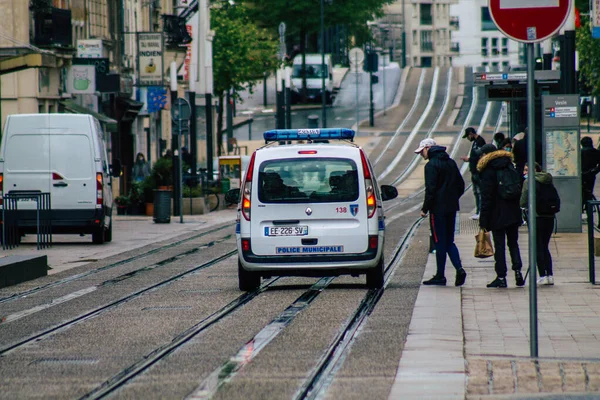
{"x": 102, "y": 309}
{"x": 244, "y": 356}
{"x": 324, "y": 372}
{"x": 119, "y": 263}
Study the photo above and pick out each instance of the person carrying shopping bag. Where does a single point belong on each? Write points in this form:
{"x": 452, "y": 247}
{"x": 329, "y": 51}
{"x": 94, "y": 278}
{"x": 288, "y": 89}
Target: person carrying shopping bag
{"x": 500, "y": 210}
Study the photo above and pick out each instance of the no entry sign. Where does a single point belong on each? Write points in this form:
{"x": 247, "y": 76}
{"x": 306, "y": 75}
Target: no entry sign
{"x": 529, "y": 21}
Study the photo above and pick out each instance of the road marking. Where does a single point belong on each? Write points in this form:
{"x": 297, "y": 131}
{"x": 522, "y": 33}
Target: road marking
{"x": 60, "y": 300}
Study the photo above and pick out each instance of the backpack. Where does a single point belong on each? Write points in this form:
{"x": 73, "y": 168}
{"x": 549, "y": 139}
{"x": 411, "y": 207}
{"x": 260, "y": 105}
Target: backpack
{"x": 547, "y": 201}
{"x": 509, "y": 183}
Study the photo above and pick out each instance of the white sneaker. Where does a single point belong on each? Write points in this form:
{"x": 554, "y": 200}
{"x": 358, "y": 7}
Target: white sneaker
{"x": 475, "y": 216}
{"x": 550, "y": 280}
{"x": 542, "y": 280}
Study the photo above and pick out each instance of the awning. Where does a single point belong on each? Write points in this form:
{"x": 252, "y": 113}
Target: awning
{"x": 127, "y": 109}
{"x": 20, "y": 63}
{"x": 109, "y": 124}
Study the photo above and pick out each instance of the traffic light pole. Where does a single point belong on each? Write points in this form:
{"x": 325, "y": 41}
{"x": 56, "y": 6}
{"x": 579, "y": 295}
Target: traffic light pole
{"x": 371, "y": 105}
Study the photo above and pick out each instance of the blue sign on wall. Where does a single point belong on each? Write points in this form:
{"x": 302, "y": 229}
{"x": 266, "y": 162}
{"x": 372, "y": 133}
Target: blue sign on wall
{"x": 156, "y": 99}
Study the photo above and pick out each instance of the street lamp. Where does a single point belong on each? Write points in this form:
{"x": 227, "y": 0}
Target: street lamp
{"x": 323, "y": 96}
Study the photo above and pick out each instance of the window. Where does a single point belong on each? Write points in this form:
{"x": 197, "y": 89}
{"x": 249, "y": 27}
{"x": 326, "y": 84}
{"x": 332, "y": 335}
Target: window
{"x": 495, "y": 50}
{"x": 484, "y": 47}
{"x": 504, "y": 65}
{"x": 485, "y": 64}
{"x": 487, "y": 24}
{"x": 415, "y": 38}
{"x": 426, "y": 17}
{"x": 495, "y": 65}
{"x": 317, "y": 180}
{"x": 426, "y": 41}
{"x": 426, "y": 62}
{"x": 504, "y": 46}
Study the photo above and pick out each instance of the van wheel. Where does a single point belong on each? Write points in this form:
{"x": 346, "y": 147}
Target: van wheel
{"x": 248, "y": 281}
{"x": 375, "y": 276}
{"x": 108, "y": 233}
{"x": 98, "y": 236}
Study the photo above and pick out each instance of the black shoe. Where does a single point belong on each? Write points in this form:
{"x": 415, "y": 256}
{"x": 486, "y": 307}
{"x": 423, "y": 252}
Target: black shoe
{"x": 497, "y": 283}
{"x": 519, "y": 278}
{"x": 461, "y": 275}
{"x": 436, "y": 281}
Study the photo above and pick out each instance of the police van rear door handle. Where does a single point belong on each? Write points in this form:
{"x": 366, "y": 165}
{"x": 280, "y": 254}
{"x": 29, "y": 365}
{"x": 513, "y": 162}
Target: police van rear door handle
{"x": 310, "y": 242}
{"x": 60, "y": 184}
{"x": 287, "y": 222}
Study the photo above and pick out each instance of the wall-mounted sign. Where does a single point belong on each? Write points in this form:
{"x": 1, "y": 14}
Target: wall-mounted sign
{"x": 595, "y": 19}
{"x": 150, "y": 59}
{"x": 89, "y": 48}
{"x": 81, "y": 79}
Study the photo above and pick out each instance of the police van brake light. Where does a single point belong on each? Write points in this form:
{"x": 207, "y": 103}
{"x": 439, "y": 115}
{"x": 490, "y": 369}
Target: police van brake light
{"x": 309, "y": 134}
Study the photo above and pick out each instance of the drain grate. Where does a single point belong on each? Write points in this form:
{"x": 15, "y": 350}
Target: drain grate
{"x": 188, "y": 291}
{"x": 72, "y": 361}
{"x": 167, "y": 308}
{"x": 466, "y": 225}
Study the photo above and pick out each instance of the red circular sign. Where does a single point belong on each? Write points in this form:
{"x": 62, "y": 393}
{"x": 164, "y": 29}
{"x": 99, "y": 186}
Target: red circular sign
{"x": 529, "y": 21}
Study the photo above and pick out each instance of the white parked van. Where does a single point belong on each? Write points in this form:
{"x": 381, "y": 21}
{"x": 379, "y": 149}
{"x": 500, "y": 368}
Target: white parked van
{"x": 64, "y": 155}
{"x": 314, "y": 74}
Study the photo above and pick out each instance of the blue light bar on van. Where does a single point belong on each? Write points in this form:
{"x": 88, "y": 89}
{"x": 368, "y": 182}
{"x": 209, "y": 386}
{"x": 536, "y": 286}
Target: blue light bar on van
{"x": 309, "y": 134}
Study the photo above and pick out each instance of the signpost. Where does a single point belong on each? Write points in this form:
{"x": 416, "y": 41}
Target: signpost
{"x": 180, "y": 112}
{"x": 356, "y": 56}
{"x": 530, "y": 22}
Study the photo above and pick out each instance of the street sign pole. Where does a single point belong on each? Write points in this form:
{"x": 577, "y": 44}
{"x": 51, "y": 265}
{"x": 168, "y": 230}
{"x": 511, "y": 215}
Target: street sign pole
{"x": 356, "y": 73}
{"x": 179, "y": 166}
{"x": 530, "y": 22}
{"x": 531, "y": 224}
{"x": 356, "y": 57}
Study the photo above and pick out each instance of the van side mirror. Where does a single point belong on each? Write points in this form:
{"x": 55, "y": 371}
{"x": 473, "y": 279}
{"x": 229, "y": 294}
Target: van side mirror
{"x": 330, "y": 76}
{"x": 115, "y": 168}
{"x": 388, "y": 192}
{"x": 232, "y": 196}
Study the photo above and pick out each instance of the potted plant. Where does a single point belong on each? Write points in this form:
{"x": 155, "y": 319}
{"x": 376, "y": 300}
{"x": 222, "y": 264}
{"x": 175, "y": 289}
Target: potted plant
{"x": 147, "y": 187}
{"x": 162, "y": 172}
{"x": 122, "y": 203}
{"x": 135, "y": 199}
{"x": 194, "y": 201}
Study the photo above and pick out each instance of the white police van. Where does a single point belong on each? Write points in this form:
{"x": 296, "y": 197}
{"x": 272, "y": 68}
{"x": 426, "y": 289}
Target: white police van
{"x": 310, "y": 209}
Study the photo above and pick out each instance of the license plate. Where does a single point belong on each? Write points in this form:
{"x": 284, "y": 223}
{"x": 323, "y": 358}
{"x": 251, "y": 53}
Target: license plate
{"x": 299, "y": 230}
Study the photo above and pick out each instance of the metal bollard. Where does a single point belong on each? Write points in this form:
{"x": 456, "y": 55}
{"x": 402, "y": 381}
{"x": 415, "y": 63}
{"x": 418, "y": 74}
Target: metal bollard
{"x": 313, "y": 121}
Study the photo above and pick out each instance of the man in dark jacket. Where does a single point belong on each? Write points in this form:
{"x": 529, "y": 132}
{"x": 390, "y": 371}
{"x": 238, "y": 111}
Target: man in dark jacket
{"x": 443, "y": 187}
{"x": 499, "y": 215}
{"x": 473, "y": 157}
{"x": 520, "y": 151}
{"x": 590, "y": 165}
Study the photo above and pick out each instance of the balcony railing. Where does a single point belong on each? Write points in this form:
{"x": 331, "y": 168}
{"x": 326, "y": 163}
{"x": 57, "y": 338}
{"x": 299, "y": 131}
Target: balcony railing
{"x": 51, "y": 26}
{"x": 176, "y": 33}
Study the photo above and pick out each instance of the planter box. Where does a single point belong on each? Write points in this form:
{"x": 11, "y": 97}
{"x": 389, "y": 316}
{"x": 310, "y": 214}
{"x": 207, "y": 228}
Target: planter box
{"x": 193, "y": 206}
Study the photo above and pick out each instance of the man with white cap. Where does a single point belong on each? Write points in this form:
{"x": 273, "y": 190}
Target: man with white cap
{"x": 443, "y": 187}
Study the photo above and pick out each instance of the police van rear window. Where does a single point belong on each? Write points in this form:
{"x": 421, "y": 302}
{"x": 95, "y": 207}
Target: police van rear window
{"x": 308, "y": 180}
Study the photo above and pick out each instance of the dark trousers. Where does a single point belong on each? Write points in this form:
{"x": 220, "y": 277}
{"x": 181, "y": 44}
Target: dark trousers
{"x": 544, "y": 228}
{"x": 442, "y": 226}
{"x": 511, "y": 233}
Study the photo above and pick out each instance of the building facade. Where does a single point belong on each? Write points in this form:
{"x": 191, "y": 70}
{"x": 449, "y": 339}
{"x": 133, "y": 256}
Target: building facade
{"x": 477, "y": 39}
{"x": 427, "y": 28}
{"x": 82, "y": 56}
